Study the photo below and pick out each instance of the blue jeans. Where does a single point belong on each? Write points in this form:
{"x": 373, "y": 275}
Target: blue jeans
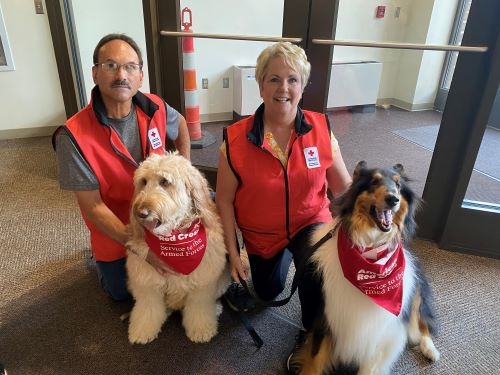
{"x": 113, "y": 279}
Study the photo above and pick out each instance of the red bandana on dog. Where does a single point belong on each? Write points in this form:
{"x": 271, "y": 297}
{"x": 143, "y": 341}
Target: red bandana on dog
{"x": 181, "y": 251}
{"x": 377, "y": 272}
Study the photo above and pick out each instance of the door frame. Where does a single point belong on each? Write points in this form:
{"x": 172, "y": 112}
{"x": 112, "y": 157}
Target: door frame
{"x": 442, "y": 94}
{"x": 446, "y": 218}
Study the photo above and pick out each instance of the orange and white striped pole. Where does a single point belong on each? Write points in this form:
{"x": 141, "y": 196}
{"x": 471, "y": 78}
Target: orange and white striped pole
{"x": 191, "y": 101}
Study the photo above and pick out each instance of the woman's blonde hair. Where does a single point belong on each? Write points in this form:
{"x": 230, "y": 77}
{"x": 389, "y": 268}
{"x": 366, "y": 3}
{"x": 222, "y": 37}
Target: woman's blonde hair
{"x": 294, "y": 56}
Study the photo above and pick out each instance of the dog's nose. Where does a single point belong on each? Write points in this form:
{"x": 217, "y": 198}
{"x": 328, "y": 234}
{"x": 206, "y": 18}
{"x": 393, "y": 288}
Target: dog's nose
{"x": 143, "y": 213}
{"x": 391, "y": 200}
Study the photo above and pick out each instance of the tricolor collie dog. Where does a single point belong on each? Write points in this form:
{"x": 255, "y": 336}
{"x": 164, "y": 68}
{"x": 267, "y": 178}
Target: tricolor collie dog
{"x": 174, "y": 217}
{"x": 376, "y": 297}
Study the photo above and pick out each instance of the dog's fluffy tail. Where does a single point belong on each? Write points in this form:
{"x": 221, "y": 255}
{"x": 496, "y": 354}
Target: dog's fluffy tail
{"x": 427, "y": 305}
{"x": 422, "y": 322}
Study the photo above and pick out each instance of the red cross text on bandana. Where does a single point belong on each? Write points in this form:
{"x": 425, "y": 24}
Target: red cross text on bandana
{"x": 377, "y": 272}
{"x": 180, "y": 250}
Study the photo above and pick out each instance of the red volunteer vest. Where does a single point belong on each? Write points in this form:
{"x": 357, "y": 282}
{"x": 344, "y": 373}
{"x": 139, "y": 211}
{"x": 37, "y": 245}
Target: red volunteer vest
{"x": 273, "y": 203}
{"x": 113, "y": 165}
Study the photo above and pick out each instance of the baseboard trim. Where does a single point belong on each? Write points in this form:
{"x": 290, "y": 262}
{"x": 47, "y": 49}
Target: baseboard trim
{"x": 405, "y": 105}
{"x": 216, "y": 117}
{"x": 44, "y": 131}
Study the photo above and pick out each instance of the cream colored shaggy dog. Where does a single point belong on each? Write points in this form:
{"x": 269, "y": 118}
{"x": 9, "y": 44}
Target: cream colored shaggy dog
{"x": 174, "y": 215}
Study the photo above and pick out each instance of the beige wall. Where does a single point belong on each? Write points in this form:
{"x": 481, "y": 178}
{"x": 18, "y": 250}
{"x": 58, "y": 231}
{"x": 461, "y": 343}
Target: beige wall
{"x": 31, "y": 102}
{"x": 410, "y": 79}
{"x": 215, "y": 58}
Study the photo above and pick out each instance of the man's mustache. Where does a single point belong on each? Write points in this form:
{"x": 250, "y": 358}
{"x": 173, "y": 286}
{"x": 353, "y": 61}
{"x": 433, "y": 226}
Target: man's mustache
{"x": 120, "y": 83}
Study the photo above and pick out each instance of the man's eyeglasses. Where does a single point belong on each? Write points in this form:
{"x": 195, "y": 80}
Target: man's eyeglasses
{"x": 113, "y": 67}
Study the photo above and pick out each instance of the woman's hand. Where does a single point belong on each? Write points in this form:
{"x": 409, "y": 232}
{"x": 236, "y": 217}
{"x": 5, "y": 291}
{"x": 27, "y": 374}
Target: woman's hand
{"x": 239, "y": 270}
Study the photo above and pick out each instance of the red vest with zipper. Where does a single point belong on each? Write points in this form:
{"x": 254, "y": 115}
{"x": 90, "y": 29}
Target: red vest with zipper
{"x": 113, "y": 165}
{"x": 273, "y": 203}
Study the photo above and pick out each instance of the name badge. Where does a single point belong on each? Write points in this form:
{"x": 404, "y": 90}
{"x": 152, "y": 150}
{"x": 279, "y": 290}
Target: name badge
{"x": 312, "y": 157}
{"x": 154, "y": 138}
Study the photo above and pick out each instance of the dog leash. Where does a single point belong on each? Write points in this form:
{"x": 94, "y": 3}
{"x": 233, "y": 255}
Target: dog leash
{"x": 276, "y": 303}
{"x": 249, "y": 327}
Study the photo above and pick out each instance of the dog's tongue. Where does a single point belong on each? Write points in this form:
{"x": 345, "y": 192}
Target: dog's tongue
{"x": 385, "y": 217}
{"x": 150, "y": 224}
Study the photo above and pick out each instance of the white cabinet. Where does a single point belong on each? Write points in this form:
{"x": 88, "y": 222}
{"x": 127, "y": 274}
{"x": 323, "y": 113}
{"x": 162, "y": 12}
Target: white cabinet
{"x": 246, "y": 95}
{"x": 354, "y": 83}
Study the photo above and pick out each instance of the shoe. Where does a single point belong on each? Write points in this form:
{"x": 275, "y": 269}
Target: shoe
{"x": 294, "y": 368}
{"x": 238, "y": 299}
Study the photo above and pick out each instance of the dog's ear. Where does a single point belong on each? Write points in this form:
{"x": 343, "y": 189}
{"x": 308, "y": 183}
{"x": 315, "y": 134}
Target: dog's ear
{"x": 359, "y": 167}
{"x": 199, "y": 192}
{"x": 401, "y": 170}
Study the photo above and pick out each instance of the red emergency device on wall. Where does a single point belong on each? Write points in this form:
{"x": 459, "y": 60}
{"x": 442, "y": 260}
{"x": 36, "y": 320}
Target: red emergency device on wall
{"x": 380, "y": 11}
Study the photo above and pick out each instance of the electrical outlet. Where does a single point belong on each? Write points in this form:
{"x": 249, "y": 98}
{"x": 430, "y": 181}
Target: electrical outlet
{"x": 397, "y": 12}
{"x": 38, "y": 7}
{"x": 225, "y": 82}
{"x": 204, "y": 83}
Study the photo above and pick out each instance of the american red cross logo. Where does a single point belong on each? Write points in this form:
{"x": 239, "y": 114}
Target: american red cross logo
{"x": 153, "y": 134}
{"x": 311, "y": 153}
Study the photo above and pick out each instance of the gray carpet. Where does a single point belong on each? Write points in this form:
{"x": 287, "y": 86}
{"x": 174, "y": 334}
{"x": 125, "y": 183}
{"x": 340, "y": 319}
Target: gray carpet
{"x": 68, "y": 327}
{"x": 487, "y": 161}
{"x": 54, "y": 319}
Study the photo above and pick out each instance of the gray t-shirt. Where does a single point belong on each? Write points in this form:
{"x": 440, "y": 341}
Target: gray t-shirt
{"x": 75, "y": 173}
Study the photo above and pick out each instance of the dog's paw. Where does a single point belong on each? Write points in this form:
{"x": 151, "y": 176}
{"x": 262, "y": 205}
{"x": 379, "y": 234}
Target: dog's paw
{"x": 428, "y": 349}
{"x": 145, "y": 323}
{"x": 141, "y": 331}
{"x": 202, "y": 330}
{"x": 200, "y": 336}
{"x": 138, "y": 337}
{"x": 414, "y": 334}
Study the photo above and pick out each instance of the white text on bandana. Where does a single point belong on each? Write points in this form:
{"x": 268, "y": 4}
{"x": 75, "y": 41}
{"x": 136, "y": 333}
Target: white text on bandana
{"x": 180, "y": 250}
{"x": 380, "y": 277}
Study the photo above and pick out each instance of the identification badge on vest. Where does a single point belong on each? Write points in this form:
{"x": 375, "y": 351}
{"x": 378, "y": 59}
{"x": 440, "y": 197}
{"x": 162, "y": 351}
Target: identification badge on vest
{"x": 312, "y": 157}
{"x": 154, "y": 138}
{"x": 180, "y": 250}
